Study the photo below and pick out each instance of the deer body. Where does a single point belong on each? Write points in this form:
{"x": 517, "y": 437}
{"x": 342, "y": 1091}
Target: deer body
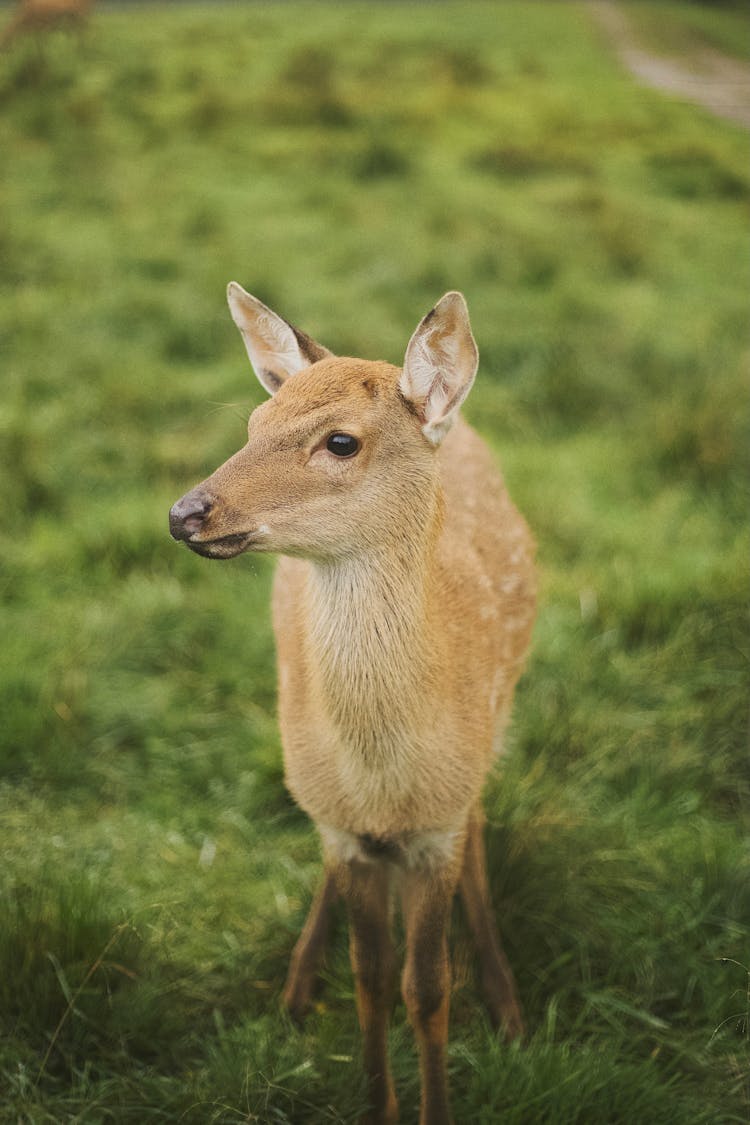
{"x": 402, "y": 608}
{"x": 427, "y": 648}
{"x": 38, "y": 15}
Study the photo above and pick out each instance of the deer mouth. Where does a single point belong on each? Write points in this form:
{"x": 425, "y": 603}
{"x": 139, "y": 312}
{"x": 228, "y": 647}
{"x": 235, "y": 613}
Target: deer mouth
{"x": 225, "y": 547}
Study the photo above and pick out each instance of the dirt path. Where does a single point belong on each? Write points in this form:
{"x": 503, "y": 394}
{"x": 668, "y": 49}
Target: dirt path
{"x": 707, "y": 78}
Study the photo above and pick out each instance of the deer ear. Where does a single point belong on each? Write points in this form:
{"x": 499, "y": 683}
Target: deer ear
{"x": 440, "y": 365}
{"x": 276, "y": 349}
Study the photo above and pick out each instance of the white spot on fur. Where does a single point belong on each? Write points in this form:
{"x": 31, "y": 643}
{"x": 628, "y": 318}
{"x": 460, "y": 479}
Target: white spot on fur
{"x": 497, "y": 682}
{"x": 511, "y": 585}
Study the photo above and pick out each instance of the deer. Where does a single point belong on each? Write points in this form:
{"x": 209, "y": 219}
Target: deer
{"x": 403, "y": 605}
{"x": 40, "y": 15}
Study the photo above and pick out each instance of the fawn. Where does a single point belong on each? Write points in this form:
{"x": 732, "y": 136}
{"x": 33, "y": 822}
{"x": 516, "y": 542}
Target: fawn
{"x": 403, "y": 606}
{"x": 38, "y": 15}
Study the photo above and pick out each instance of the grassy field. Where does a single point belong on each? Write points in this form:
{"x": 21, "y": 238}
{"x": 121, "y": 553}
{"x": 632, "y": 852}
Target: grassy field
{"x": 348, "y": 164}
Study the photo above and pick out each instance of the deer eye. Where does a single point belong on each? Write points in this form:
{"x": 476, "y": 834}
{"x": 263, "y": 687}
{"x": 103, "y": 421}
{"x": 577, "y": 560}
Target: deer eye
{"x": 342, "y": 445}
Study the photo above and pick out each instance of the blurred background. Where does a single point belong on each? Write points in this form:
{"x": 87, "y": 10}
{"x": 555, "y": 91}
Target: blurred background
{"x": 348, "y": 163}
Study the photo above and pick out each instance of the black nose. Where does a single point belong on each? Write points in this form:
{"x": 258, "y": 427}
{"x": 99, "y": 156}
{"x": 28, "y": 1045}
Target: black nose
{"x": 188, "y": 514}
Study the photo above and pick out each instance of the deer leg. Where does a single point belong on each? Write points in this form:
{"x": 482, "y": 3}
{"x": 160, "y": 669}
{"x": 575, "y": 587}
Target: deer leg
{"x": 308, "y": 952}
{"x": 498, "y": 982}
{"x": 365, "y": 887}
{"x": 427, "y": 899}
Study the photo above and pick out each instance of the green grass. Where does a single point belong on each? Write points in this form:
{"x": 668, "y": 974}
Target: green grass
{"x": 349, "y": 164}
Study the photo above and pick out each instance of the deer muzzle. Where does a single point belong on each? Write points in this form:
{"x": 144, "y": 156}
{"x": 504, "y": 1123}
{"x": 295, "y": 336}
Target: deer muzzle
{"x": 188, "y": 516}
{"x": 189, "y": 523}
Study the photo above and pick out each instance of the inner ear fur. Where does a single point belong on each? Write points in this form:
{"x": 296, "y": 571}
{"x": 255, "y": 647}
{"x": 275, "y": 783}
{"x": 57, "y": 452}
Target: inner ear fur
{"x": 277, "y": 350}
{"x": 440, "y": 364}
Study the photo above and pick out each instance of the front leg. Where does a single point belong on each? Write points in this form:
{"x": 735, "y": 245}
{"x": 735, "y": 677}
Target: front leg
{"x": 308, "y": 952}
{"x": 427, "y": 899}
{"x": 365, "y": 886}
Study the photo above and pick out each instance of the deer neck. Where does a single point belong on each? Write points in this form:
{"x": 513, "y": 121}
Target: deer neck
{"x": 371, "y": 637}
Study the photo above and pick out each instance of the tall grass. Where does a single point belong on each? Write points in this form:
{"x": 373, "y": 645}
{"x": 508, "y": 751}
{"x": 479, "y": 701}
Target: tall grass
{"x": 348, "y": 164}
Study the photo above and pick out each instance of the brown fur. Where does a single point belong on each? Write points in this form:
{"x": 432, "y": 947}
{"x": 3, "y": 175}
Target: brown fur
{"x": 402, "y": 608}
{"x": 41, "y": 15}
